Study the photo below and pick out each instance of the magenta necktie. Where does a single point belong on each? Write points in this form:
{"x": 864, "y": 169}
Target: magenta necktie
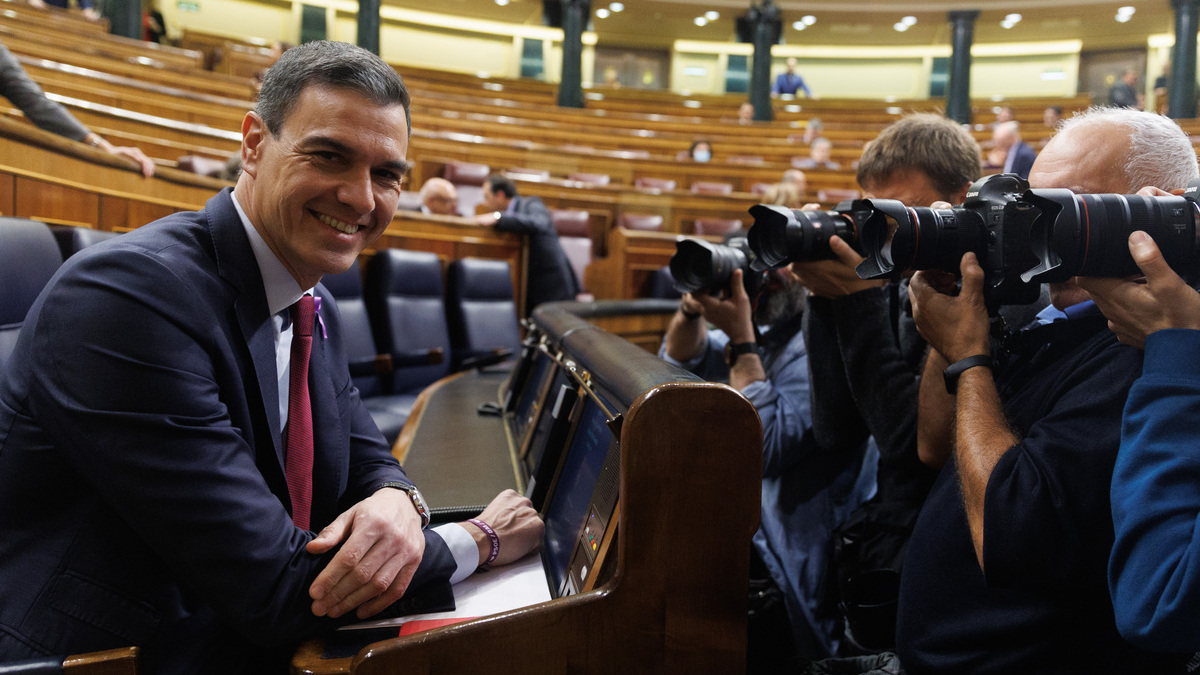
{"x": 298, "y": 464}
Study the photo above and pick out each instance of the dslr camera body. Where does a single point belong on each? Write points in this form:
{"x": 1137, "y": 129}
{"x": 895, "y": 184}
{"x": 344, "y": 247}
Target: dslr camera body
{"x": 700, "y": 266}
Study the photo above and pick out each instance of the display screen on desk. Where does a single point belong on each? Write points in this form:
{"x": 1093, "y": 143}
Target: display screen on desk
{"x": 568, "y": 504}
{"x": 528, "y": 401}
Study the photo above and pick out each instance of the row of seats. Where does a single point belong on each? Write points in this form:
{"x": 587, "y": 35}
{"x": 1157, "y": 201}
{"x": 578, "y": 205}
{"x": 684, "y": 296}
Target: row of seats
{"x": 401, "y": 331}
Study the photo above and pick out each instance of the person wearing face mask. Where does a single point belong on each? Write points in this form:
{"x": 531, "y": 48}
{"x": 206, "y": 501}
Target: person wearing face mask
{"x": 701, "y": 151}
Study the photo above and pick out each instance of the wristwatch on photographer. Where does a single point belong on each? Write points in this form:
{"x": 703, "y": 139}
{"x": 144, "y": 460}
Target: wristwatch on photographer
{"x": 951, "y": 374}
{"x": 418, "y": 500}
{"x": 734, "y": 350}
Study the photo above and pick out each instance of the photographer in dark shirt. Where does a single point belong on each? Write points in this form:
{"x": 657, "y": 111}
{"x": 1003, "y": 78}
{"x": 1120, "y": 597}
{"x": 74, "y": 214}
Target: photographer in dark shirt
{"x": 1006, "y": 571}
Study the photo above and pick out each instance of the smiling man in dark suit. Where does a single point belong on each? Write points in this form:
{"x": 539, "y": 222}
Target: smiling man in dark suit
{"x": 168, "y": 476}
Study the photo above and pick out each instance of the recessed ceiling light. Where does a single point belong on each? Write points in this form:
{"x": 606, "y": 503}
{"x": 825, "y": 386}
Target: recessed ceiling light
{"x": 900, "y": 26}
{"x": 711, "y": 15}
{"x": 1126, "y": 10}
{"x": 1122, "y": 18}
{"x": 602, "y": 13}
{"x": 799, "y": 25}
{"x": 700, "y": 21}
{"x": 909, "y": 20}
{"x": 616, "y": 6}
{"x": 502, "y": 3}
{"x": 1013, "y": 18}
{"x": 1007, "y": 24}
{"x": 808, "y": 19}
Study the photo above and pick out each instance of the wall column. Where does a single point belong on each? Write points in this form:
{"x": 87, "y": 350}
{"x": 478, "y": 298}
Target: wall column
{"x": 570, "y": 85}
{"x": 125, "y": 18}
{"x": 958, "y": 88}
{"x": 763, "y": 19}
{"x": 1181, "y": 85}
{"x": 368, "y": 25}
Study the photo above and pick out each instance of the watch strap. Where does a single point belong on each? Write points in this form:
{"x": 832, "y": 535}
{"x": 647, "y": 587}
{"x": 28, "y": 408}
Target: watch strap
{"x": 736, "y": 350}
{"x": 951, "y": 374}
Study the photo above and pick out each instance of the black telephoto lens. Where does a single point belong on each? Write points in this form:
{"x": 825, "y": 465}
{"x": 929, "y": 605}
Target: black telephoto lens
{"x": 781, "y": 235}
{"x": 1087, "y": 235}
{"x": 703, "y": 267}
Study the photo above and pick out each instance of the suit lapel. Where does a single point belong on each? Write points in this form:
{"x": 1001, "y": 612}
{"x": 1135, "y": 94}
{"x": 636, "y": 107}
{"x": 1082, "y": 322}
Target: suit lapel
{"x": 237, "y": 265}
{"x": 329, "y": 436}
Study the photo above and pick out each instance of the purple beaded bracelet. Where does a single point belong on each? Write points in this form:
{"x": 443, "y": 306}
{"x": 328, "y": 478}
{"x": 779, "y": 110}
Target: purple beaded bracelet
{"x": 492, "y": 536}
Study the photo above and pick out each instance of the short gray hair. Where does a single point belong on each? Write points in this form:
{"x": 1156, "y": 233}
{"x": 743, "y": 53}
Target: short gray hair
{"x": 1160, "y": 152}
{"x": 337, "y": 65}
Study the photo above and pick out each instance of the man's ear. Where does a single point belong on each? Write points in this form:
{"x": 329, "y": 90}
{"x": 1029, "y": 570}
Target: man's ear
{"x": 254, "y": 133}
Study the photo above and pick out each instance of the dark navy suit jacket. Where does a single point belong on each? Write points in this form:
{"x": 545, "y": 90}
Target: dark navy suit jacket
{"x": 550, "y": 276}
{"x": 142, "y": 493}
{"x": 1023, "y": 161}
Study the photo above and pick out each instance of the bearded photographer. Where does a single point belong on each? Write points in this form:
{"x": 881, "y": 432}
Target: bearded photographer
{"x": 1006, "y": 570}
{"x": 1156, "y": 482}
{"x": 808, "y": 488}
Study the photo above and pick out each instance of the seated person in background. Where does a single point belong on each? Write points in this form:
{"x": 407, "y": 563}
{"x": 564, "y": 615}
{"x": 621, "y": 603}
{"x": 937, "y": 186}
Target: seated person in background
{"x": 1156, "y": 481}
{"x": 807, "y": 488}
{"x": 819, "y": 156}
{"x": 1006, "y": 571}
{"x": 1009, "y": 153}
{"x": 179, "y": 483}
{"x": 796, "y": 177}
{"x": 789, "y": 82}
{"x": 440, "y": 197}
{"x": 745, "y": 113}
{"x": 813, "y": 128}
{"x": 700, "y": 151}
{"x": 85, "y": 6}
{"x": 784, "y": 194}
{"x": 1052, "y": 116}
{"x": 16, "y": 86}
{"x": 550, "y": 276}
{"x": 1003, "y": 114}
{"x": 866, "y": 353}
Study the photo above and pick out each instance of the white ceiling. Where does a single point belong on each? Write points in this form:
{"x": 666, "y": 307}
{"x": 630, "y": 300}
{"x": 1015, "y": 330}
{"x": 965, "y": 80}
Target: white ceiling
{"x": 657, "y": 23}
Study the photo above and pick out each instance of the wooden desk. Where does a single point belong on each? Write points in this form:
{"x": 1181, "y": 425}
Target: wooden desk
{"x": 458, "y": 457}
{"x": 691, "y": 452}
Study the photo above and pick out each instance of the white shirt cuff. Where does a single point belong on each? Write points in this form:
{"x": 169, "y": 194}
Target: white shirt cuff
{"x": 462, "y": 546}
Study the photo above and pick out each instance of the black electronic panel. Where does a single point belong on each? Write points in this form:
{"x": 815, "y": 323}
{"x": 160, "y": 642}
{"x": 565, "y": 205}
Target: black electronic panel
{"x": 530, "y": 398}
{"x": 540, "y": 456}
{"x": 570, "y": 505}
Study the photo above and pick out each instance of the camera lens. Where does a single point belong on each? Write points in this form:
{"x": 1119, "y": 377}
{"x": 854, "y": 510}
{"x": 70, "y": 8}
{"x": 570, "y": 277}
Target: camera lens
{"x": 701, "y": 266}
{"x": 898, "y": 238}
{"x": 781, "y": 235}
{"x": 1087, "y": 235}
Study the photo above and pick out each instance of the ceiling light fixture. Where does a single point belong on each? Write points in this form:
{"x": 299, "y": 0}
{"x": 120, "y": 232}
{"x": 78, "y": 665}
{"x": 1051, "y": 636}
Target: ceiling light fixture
{"x": 808, "y": 19}
{"x": 502, "y": 3}
{"x": 909, "y": 21}
{"x": 900, "y": 27}
{"x": 711, "y": 15}
{"x": 799, "y": 25}
{"x": 602, "y": 13}
{"x": 700, "y": 21}
{"x": 616, "y": 6}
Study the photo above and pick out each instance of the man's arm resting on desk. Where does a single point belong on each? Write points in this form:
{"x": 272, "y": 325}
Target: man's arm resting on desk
{"x": 384, "y": 544}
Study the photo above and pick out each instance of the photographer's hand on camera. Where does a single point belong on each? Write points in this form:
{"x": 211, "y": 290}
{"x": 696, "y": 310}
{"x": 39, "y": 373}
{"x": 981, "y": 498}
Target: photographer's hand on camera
{"x": 733, "y": 315}
{"x": 971, "y": 422}
{"x": 1135, "y": 308}
{"x": 834, "y": 278}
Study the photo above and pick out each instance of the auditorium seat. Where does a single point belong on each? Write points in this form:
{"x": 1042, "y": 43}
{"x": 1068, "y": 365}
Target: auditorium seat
{"x": 646, "y": 222}
{"x": 538, "y": 175}
{"x": 746, "y": 160}
{"x": 662, "y": 284}
{"x": 716, "y": 226}
{"x": 482, "y": 310}
{"x": 591, "y": 178}
{"x": 29, "y": 256}
{"x": 468, "y": 179}
{"x": 72, "y": 239}
{"x": 649, "y": 183}
{"x": 367, "y": 366}
{"x": 403, "y": 290}
{"x": 704, "y": 187}
{"x": 575, "y": 237}
{"x": 410, "y": 200}
{"x": 836, "y": 194}
{"x": 204, "y": 166}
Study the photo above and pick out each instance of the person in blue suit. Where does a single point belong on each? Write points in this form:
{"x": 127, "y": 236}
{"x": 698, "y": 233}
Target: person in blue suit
{"x": 789, "y": 82}
{"x": 144, "y": 412}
